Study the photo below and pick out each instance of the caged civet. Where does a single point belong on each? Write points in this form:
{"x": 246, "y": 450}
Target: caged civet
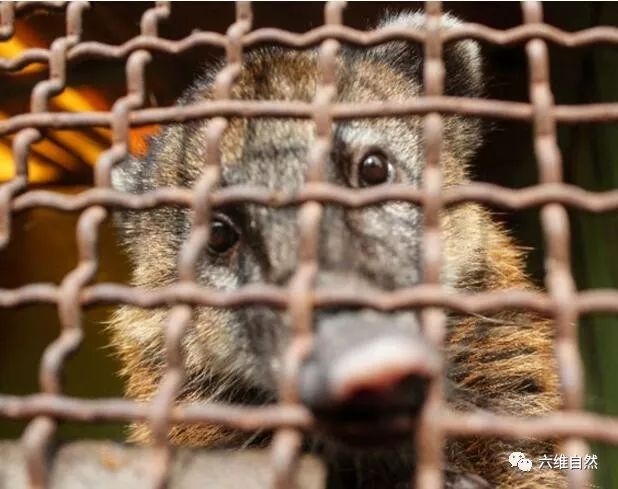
{"x": 368, "y": 371}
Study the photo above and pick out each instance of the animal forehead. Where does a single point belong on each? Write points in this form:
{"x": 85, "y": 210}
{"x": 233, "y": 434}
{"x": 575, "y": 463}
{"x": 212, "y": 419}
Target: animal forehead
{"x": 276, "y": 153}
{"x": 266, "y": 152}
{"x": 280, "y": 74}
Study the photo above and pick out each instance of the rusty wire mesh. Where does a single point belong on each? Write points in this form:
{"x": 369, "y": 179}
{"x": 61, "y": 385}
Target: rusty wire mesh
{"x": 289, "y": 418}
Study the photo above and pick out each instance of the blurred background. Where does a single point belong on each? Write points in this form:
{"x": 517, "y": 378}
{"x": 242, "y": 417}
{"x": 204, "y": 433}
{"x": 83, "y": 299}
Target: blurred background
{"x": 42, "y": 246}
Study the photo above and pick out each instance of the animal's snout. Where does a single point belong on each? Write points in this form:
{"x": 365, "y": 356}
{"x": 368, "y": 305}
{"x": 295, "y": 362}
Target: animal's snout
{"x": 368, "y": 373}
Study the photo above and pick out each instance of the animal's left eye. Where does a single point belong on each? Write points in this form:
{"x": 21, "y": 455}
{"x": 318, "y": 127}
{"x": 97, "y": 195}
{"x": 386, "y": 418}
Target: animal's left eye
{"x": 374, "y": 169}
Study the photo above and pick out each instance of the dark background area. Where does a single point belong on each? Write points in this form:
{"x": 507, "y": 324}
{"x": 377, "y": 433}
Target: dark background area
{"x": 42, "y": 247}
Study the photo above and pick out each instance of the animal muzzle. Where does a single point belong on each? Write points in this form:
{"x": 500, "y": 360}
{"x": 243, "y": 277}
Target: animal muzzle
{"x": 367, "y": 376}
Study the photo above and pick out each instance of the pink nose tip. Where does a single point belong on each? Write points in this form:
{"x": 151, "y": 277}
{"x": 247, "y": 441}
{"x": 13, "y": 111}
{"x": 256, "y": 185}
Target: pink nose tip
{"x": 376, "y": 371}
{"x": 381, "y": 368}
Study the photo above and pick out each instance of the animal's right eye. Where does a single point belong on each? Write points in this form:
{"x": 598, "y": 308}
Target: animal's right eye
{"x": 223, "y": 234}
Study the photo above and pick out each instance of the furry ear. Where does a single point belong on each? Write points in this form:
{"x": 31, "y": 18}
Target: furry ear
{"x": 462, "y": 59}
{"x": 140, "y": 175}
{"x": 463, "y": 77}
{"x": 126, "y": 175}
{"x": 124, "y": 180}
{"x": 129, "y": 176}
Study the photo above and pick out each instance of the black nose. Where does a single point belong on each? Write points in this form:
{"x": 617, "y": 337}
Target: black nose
{"x": 367, "y": 369}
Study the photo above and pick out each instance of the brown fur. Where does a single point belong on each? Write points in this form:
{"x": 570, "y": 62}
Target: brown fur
{"x": 503, "y": 363}
{"x": 509, "y": 364}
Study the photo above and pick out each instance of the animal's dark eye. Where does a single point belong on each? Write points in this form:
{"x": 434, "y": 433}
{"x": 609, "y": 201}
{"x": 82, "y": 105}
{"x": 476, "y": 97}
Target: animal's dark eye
{"x": 374, "y": 169}
{"x": 223, "y": 234}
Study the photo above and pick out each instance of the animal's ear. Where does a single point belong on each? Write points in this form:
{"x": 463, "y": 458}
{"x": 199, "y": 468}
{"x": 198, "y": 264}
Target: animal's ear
{"x": 463, "y": 77}
{"x": 462, "y": 59}
{"x": 129, "y": 176}
{"x": 132, "y": 176}
{"x": 126, "y": 175}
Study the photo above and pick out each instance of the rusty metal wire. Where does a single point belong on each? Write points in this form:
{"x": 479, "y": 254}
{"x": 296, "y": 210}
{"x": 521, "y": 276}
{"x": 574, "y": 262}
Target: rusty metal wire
{"x": 555, "y": 222}
{"x": 290, "y": 419}
{"x": 430, "y": 439}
